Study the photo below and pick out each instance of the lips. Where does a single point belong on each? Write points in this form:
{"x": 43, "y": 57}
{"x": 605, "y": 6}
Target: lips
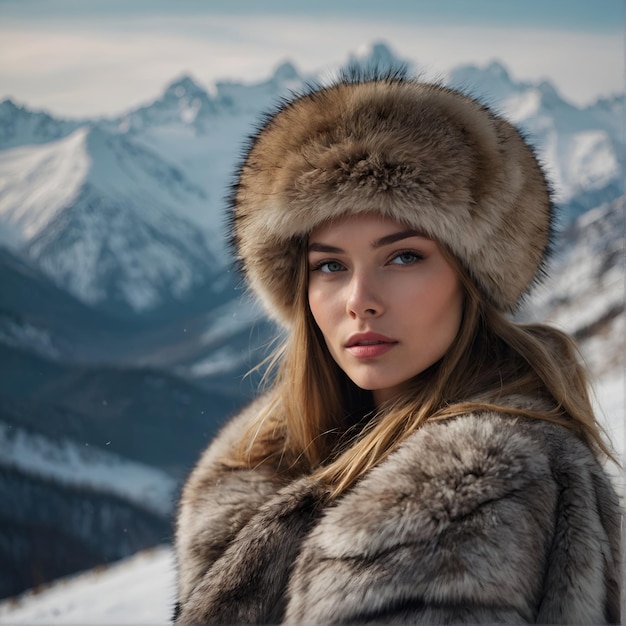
{"x": 369, "y": 345}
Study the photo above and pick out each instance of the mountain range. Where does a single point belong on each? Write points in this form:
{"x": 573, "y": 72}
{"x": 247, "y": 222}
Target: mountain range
{"x": 138, "y": 222}
{"x": 125, "y": 331}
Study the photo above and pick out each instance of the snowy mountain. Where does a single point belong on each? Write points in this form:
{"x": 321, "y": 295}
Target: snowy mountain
{"x": 90, "y": 460}
{"x": 585, "y": 296}
{"x": 583, "y": 149}
{"x": 100, "y": 215}
{"x": 203, "y": 134}
{"x": 94, "y": 505}
{"x": 20, "y": 126}
{"x": 128, "y": 212}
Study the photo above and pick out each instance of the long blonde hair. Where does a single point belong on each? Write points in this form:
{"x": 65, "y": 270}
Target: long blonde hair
{"x": 316, "y": 421}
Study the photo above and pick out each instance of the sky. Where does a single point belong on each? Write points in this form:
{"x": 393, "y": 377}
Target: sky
{"x": 80, "y": 58}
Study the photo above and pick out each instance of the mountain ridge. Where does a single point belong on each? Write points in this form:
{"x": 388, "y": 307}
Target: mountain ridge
{"x": 173, "y": 157}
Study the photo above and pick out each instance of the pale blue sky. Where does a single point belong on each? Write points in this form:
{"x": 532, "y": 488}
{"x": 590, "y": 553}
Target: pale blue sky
{"x": 600, "y": 15}
{"x": 88, "y": 57}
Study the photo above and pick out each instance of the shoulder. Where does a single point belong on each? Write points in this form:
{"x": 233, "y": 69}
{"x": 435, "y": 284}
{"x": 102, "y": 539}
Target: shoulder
{"x": 452, "y": 475}
{"x": 497, "y": 462}
{"x": 497, "y": 454}
{"x": 466, "y": 512}
{"x": 455, "y": 467}
{"x": 217, "y": 501}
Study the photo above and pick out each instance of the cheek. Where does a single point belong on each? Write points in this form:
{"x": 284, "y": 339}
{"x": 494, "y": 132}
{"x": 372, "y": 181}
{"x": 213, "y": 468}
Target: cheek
{"x": 324, "y": 312}
{"x": 441, "y": 305}
{"x": 321, "y": 308}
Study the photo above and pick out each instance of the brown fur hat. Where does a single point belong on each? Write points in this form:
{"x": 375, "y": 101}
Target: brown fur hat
{"x": 425, "y": 155}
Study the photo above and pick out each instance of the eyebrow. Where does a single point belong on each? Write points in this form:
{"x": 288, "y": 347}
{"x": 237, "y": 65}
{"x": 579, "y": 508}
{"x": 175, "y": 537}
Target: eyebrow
{"x": 385, "y": 241}
{"x": 379, "y": 243}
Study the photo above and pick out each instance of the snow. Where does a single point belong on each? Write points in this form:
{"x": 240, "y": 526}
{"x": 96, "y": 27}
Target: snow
{"x": 220, "y": 361}
{"x": 592, "y": 161}
{"x": 25, "y": 335}
{"x": 138, "y": 590}
{"x": 609, "y": 400}
{"x": 86, "y": 466}
{"x": 37, "y": 182}
{"x": 524, "y": 105}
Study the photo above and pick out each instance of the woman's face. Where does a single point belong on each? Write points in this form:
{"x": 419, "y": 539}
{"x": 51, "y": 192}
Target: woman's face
{"x": 386, "y": 300}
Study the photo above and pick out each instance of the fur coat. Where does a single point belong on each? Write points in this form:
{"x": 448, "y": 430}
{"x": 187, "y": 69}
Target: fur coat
{"x": 485, "y": 518}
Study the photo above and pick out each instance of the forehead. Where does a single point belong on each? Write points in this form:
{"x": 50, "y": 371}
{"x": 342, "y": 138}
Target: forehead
{"x": 369, "y": 225}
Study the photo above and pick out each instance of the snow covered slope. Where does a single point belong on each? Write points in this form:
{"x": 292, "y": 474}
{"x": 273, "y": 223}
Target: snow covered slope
{"x": 68, "y": 463}
{"x": 585, "y": 296}
{"x": 36, "y": 182}
{"x": 100, "y": 214}
{"x": 138, "y": 590}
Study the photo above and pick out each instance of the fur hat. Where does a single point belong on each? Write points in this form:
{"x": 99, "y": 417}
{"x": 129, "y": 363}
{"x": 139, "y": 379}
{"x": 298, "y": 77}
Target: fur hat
{"x": 425, "y": 155}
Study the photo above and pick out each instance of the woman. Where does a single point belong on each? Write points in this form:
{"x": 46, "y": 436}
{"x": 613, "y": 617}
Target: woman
{"x": 418, "y": 458}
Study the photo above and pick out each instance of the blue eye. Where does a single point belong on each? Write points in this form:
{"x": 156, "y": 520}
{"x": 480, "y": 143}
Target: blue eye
{"x": 329, "y": 267}
{"x": 406, "y": 258}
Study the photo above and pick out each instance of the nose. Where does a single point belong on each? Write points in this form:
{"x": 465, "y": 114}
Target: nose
{"x": 364, "y": 297}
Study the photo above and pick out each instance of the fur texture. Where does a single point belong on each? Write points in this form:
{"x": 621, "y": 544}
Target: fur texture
{"x": 423, "y": 154}
{"x": 480, "y": 519}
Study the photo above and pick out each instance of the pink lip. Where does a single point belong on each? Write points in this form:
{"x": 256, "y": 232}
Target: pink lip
{"x": 369, "y": 345}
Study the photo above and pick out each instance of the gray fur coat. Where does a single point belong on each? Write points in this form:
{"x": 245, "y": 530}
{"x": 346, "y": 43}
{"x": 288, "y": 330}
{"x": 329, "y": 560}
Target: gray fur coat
{"x": 485, "y": 518}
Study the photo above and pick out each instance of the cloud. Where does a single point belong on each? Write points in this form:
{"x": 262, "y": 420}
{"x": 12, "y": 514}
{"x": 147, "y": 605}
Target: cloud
{"x": 103, "y": 67}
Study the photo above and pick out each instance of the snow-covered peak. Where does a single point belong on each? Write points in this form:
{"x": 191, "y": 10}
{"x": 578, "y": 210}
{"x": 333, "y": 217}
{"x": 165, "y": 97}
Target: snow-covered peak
{"x": 286, "y": 71}
{"x": 106, "y": 217}
{"x": 497, "y": 70}
{"x": 613, "y": 105}
{"x": 378, "y": 57}
{"x": 20, "y": 126}
{"x": 249, "y": 99}
{"x": 185, "y": 87}
{"x": 550, "y": 97}
{"x": 183, "y": 101}
{"x": 491, "y": 84}
{"x": 36, "y": 182}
